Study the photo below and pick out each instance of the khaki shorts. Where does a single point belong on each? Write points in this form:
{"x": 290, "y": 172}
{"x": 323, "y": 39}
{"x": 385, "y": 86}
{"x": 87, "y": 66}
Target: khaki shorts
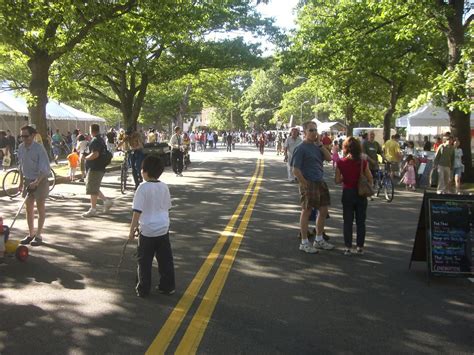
{"x": 41, "y": 192}
{"x": 315, "y": 196}
{"x": 93, "y": 181}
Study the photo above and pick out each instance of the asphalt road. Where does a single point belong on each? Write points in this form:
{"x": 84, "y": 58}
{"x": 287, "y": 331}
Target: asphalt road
{"x": 257, "y": 295}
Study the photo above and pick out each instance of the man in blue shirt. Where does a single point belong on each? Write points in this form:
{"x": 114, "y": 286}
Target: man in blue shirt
{"x": 34, "y": 169}
{"x": 307, "y": 165}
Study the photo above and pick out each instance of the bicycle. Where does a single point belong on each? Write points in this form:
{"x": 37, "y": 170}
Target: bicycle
{"x": 383, "y": 181}
{"x": 11, "y": 182}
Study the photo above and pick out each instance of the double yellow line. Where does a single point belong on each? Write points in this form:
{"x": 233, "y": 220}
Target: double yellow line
{"x": 196, "y": 328}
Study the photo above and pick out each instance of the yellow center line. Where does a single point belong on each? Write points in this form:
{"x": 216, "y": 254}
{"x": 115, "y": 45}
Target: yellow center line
{"x": 195, "y": 331}
{"x": 172, "y": 324}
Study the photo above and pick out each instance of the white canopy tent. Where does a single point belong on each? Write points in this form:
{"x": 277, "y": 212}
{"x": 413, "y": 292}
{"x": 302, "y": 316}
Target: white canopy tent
{"x": 428, "y": 120}
{"x": 14, "y": 114}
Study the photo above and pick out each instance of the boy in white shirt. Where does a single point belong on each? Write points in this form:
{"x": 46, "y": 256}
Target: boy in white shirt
{"x": 151, "y": 205}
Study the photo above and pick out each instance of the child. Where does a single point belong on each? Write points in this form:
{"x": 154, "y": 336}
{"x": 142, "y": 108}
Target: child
{"x": 73, "y": 162}
{"x": 409, "y": 178}
{"x": 335, "y": 153}
{"x": 458, "y": 166}
{"x": 151, "y": 204}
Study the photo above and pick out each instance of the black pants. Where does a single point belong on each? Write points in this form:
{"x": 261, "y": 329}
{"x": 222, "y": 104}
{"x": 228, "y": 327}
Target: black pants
{"x": 160, "y": 248}
{"x": 353, "y": 204}
{"x": 177, "y": 161}
{"x": 229, "y": 147}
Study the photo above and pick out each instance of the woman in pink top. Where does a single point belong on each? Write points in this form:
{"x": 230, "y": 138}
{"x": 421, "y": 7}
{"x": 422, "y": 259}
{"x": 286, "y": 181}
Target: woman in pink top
{"x": 347, "y": 172}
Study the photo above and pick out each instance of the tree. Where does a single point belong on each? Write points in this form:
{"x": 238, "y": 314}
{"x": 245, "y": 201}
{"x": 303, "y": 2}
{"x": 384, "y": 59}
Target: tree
{"x": 262, "y": 98}
{"x": 45, "y": 31}
{"x": 360, "y": 50}
{"x": 160, "y": 43}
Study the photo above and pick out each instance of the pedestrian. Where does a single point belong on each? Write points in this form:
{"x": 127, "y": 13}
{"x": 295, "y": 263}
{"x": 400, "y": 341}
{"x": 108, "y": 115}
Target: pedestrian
{"x": 409, "y": 173}
{"x": 33, "y": 163}
{"x": 229, "y": 139}
{"x": 307, "y": 164}
{"x": 82, "y": 148}
{"x": 73, "y": 162}
{"x": 372, "y": 149}
{"x": 192, "y": 138}
{"x": 444, "y": 162}
{"x": 135, "y": 140}
{"x": 290, "y": 144}
{"x": 348, "y": 172}
{"x": 335, "y": 153}
{"x": 261, "y": 143}
{"x": 111, "y": 140}
{"x": 426, "y": 144}
{"x": 151, "y": 205}
{"x": 437, "y": 144}
{"x": 215, "y": 139}
{"x": 458, "y": 165}
{"x": 95, "y": 172}
{"x": 279, "y": 143}
{"x": 210, "y": 139}
{"x": 393, "y": 154}
{"x": 176, "y": 143}
{"x": 56, "y": 140}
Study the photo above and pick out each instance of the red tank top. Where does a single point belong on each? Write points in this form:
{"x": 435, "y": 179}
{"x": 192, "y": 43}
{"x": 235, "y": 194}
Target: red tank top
{"x": 350, "y": 170}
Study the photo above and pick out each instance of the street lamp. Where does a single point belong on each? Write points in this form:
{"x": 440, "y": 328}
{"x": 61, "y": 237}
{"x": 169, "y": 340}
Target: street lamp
{"x": 301, "y": 110}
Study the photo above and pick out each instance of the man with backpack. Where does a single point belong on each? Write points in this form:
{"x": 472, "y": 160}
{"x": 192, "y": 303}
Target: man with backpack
{"x": 96, "y": 161}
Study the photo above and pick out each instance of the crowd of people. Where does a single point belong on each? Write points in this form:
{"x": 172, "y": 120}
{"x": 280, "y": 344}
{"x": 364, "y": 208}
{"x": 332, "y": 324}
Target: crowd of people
{"x": 351, "y": 158}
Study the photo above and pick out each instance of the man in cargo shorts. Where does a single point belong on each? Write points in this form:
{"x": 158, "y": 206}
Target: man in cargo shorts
{"x": 34, "y": 169}
{"x": 95, "y": 172}
{"x": 307, "y": 165}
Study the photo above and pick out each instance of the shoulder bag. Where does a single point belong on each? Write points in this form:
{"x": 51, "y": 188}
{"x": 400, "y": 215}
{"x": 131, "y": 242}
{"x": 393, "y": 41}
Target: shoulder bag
{"x": 364, "y": 188}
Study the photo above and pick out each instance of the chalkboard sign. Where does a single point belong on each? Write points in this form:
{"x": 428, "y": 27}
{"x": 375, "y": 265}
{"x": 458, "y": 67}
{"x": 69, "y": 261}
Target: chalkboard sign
{"x": 424, "y": 171}
{"x": 447, "y": 224}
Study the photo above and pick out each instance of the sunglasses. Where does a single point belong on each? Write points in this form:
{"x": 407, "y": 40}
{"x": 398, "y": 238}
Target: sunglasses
{"x": 312, "y": 130}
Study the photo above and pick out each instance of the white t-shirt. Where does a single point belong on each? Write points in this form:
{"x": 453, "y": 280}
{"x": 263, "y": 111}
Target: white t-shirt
{"x": 153, "y": 200}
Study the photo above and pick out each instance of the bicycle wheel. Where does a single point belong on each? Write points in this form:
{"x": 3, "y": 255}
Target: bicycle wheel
{"x": 11, "y": 183}
{"x": 123, "y": 177}
{"x": 52, "y": 180}
{"x": 378, "y": 184}
{"x": 388, "y": 188}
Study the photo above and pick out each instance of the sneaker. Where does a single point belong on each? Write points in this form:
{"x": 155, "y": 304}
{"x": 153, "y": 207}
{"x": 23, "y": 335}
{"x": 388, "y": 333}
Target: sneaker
{"x": 107, "y": 205}
{"x": 308, "y": 248}
{"x": 170, "y": 292}
{"x": 359, "y": 251}
{"x": 347, "y": 251}
{"x": 322, "y": 244}
{"x": 27, "y": 240}
{"x": 37, "y": 241}
{"x": 91, "y": 213}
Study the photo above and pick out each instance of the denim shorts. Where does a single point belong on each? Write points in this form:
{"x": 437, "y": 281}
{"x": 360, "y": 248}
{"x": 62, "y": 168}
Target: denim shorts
{"x": 458, "y": 171}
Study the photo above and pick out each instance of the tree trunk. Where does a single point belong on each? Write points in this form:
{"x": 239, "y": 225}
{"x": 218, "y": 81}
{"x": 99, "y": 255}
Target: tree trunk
{"x": 349, "y": 119}
{"x": 459, "y": 120}
{"x": 39, "y": 66}
{"x": 183, "y": 105}
{"x": 387, "y": 117}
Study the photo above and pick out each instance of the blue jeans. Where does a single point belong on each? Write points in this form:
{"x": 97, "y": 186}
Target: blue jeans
{"x": 353, "y": 204}
{"x": 136, "y": 159}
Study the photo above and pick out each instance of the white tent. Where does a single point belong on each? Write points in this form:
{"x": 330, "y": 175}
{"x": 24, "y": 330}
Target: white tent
{"x": 14, "y": 114}
{"x": 429, "y": 121}
{"x": 427, "y": 118}
{"x": 330, "y": 127}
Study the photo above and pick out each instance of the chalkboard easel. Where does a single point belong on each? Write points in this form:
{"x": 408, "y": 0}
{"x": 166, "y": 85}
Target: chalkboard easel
{"x": 445, "y": 235}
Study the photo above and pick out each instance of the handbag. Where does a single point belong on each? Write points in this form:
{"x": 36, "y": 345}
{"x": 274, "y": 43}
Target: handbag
{"x": 364, "y": 188}
{"x": 434, "y": 177}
